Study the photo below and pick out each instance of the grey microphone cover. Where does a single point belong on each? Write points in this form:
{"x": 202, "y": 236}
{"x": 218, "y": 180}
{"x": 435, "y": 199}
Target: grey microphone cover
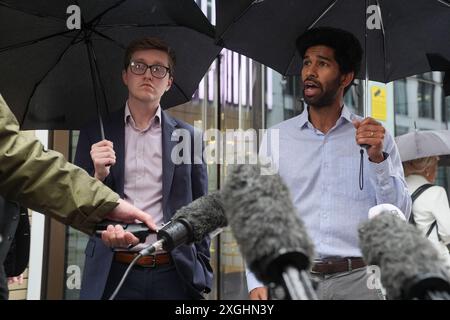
{"x": 263, "y": 218}
{"x": 400, "y": 251}
{"x": 204, "y": 214}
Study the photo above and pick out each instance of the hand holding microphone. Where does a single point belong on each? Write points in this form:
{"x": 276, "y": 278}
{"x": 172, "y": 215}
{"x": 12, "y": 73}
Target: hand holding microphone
{"x": 120, "y": 230}
{"x": 191, "y": 223}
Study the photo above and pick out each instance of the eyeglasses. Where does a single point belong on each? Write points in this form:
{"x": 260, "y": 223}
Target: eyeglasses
{"x": 156, "y": 70}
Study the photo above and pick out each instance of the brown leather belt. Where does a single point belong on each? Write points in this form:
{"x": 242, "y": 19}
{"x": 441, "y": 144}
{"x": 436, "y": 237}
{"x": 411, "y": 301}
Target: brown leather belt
{"x": 147, "y": 261}
{"x": 329, "y": 266}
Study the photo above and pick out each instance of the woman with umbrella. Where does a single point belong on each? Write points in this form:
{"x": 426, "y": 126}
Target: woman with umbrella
{"x": 430, "y": 212}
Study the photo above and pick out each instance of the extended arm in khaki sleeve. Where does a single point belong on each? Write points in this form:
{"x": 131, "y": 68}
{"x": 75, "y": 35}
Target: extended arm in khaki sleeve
{"x": 44, "y": 181}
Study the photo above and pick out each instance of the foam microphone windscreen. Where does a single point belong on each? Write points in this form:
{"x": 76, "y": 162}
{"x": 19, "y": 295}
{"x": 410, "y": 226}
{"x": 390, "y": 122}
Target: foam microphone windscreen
{"x": 264, "y": 221}
{"x": 204, "y": 214}
{"x": 401, "y": 252}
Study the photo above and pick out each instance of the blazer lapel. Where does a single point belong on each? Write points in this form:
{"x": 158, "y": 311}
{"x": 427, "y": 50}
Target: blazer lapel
{"x": 168, "y": 167}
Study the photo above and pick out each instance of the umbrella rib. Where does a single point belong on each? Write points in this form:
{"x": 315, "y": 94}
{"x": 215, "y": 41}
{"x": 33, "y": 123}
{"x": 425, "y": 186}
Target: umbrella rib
{"x": 31, "y": 42}
{"x": 42, "y": 79}
{"x": 98, "y": 17}
{"x": 444, "y": 3}
{"x": 30, "y": 12}
{"x": 182, "y": 92}
{"x": 109, "y": 38}
{"x": 330, "y": 6}
{"x": 321, "y": 15}
{"x": 235, "y": 20}
{"x": 133, "y": 25}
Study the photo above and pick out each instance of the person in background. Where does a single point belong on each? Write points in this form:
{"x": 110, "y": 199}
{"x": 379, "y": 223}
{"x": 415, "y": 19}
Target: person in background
{"x": 430, "y": 210}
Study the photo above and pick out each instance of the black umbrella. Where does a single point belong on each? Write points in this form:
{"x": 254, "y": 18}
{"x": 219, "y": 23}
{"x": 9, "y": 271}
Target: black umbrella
{"x": 57, "y": 78}
{"x": 437, "y": 62}
{"x": 400, "y": 33}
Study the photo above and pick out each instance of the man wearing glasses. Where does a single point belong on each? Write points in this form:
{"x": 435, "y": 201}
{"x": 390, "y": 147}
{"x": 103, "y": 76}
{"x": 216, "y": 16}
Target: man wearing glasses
{"x": 135, "y": 161}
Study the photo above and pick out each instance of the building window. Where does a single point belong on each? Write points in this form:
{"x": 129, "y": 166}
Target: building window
{"x": 446, "y": 109}
{"x": 400, "y": 130}
{"x": 400, "y": 97}
{"x": 425, "y": 99}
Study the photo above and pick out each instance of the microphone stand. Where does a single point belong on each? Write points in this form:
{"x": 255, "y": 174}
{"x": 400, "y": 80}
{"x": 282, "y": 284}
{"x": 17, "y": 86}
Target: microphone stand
{"x": 295, "y": 285}
{"x": 286, "y": 276}
{"x": 298, "y": 284}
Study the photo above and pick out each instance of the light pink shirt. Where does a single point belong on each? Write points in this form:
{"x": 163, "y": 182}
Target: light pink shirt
{"x": 143, "y": 168}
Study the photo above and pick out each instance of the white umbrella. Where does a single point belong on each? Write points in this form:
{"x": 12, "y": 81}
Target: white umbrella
{"x": 421, "y": 144}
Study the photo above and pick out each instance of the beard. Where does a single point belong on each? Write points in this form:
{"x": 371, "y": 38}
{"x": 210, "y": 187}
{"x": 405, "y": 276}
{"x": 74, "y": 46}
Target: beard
{"x": 326, "y": 97}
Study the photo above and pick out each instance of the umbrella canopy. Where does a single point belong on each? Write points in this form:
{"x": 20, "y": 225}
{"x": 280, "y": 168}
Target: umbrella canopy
{"x": 400, "y": 33}
{"x": 438, "y": 62}
{"x": 55, "y": 77}
{"x": 421, "y": 144}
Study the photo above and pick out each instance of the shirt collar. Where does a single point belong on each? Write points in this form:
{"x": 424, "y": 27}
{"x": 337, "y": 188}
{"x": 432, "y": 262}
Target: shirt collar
{"x": 128, "y": 118}
{"x": 345, "y": 115}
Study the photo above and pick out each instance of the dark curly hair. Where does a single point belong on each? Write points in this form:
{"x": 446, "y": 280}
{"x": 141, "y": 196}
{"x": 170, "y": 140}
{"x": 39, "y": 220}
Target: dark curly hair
{"x": 347, "y": 48}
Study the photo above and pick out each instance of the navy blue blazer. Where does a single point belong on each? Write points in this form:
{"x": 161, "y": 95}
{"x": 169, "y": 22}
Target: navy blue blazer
{"x": 182, "y": 183}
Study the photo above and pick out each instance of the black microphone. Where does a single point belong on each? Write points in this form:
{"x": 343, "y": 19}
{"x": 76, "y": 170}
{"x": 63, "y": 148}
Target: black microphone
{"x": 191, "y": 223}
{"x": 410, "y": 266}
{"x": 272, "y": 239}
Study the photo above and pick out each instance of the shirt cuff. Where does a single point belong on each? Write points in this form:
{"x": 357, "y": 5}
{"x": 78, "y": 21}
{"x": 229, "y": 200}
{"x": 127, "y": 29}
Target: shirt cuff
{"x": 252, "y": 282}
{"x": 382, "y": 171}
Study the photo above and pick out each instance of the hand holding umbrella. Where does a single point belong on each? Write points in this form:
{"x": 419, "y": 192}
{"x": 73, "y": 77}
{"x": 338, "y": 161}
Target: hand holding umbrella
{"x": 370, "y": 132}
{"x": 103, "y": 157}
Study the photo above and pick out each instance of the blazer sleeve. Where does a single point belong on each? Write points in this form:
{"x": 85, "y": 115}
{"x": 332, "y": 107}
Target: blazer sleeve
{"x": 44, "y": 181}
{"x": 199, "y": 178}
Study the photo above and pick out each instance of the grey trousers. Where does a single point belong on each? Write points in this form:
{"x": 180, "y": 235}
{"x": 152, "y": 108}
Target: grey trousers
{"x": 357, "y": 284}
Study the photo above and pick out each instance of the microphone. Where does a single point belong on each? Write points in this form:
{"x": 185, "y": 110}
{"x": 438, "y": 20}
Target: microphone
{"x": 190, "y": 223}
{"x": 411, "y": 267}
{"x": 272, "y": 239}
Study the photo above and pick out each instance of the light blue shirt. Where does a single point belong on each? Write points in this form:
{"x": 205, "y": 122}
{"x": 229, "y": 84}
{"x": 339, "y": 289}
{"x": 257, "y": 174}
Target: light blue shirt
{"x": 322, "y": 174}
